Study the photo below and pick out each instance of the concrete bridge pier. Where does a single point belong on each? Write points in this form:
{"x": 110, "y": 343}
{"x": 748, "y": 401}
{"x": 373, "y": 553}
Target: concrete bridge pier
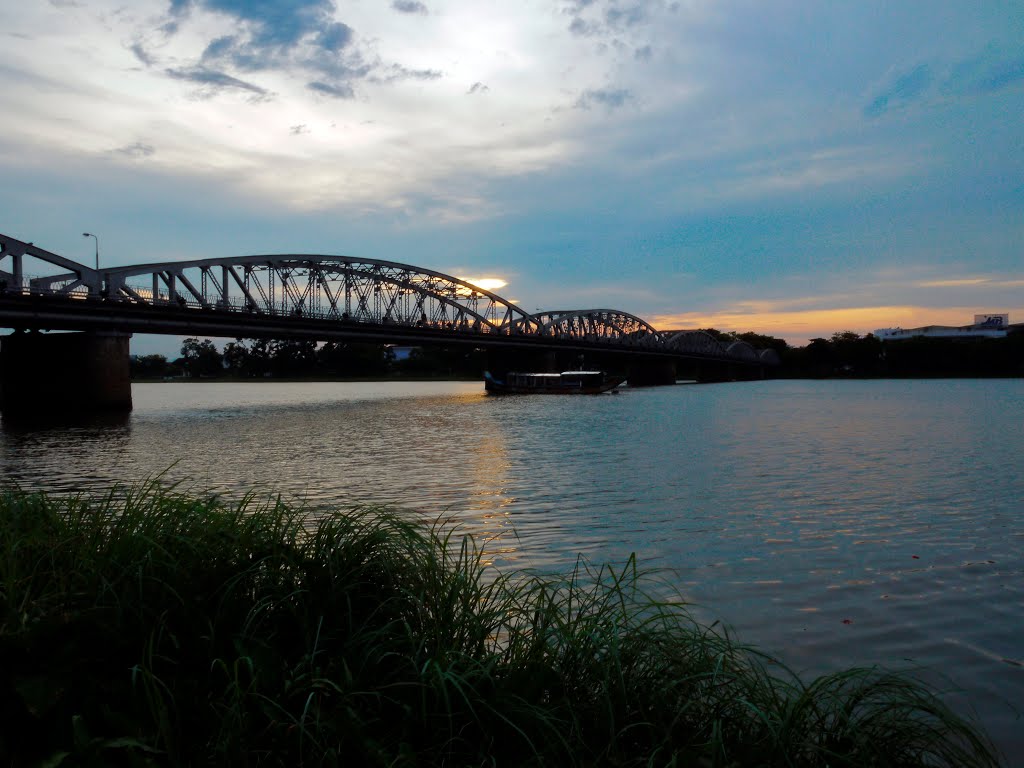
{"x": 61, "y": 374}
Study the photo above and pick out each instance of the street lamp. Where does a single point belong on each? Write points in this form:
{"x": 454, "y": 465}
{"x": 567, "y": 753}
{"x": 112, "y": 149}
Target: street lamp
{"x": 87, "y": 234}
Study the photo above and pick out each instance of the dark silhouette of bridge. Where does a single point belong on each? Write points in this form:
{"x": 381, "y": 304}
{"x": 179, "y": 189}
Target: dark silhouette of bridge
{"x": 322, "y": 297}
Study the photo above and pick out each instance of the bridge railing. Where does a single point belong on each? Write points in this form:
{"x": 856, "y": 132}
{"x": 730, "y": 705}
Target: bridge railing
{"x": 28, "y": 284}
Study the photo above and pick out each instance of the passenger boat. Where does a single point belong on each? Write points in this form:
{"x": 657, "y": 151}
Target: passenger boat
{"x": 565, "y": 383}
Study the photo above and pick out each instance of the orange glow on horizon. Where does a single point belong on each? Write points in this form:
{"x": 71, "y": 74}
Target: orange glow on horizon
{"x": 800, "y": 326}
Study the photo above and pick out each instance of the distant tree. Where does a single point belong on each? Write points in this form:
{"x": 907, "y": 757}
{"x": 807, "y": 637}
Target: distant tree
{"x": 819, "y": 358}
{"x": 444, "y": 361}
{"x": 258, "y": 363}
{"x": 148, "y": 366}
{"x": 201, "y": 358}
{"x": 760, "y": 341}
{"x": 236, "y": 358}
{"x": 856, "y": 355}
{"x": 723, "y": 336}
{"x": 352, "y": 359}
{"x": 290, "y": 357}
{"x": 250, "y": 360}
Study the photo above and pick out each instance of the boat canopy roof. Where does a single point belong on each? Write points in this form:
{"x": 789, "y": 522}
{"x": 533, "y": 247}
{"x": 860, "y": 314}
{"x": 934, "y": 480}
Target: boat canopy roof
{"x": 565, "y": 374}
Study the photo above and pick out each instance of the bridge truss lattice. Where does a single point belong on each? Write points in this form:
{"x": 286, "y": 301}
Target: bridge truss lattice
{"x": 291, "y": 290}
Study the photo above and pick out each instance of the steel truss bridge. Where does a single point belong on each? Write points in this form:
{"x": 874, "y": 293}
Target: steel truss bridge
{"x": 318, "y": 297}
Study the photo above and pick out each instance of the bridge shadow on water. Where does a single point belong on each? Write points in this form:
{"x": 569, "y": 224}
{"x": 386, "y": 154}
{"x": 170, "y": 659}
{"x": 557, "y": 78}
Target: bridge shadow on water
{"x": 97, "y": 424}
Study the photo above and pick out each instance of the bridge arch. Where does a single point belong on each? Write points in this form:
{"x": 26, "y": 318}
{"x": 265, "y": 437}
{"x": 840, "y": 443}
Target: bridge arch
{"x": 741, "y": 350}
{"x": 695, "y": 342}
{"x": 597, "y": 325}
{"x": 339, "y": 288}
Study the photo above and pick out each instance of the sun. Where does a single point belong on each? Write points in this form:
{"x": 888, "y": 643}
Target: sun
{"x": 486, "y": 283}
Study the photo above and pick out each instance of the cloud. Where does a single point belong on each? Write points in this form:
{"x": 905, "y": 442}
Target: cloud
{"x": 397, "y": 72}
{"x": 624, "y": 17}
{"x": 342, "y": 91}
{"x": 409, "y": 6}
{"x": 979, "y": 282}
{"x": 612, "y": 98}
{"x": 213, "y": 82}
{"x": 279, "y": 36}
{"x": 642, "y": 53}
{"x": 904, "y": 90}
{"x": 136, "y": 151}
{"x": 1003, "y": 75}
{"x": 255, "y": 51}
{"x": 477, "y": 87}
{"x": 276, "y": 24}
{"x": 582, "y": 28}
{"x": 141, "y": 54}
{"x": 959, "y": 283}
{"x": 334, "y": 37}
{"x": 989, "y": 72}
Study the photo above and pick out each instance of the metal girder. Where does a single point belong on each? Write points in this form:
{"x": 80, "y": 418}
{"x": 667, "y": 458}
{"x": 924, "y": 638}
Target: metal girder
{"x": 696, "y": 342}
{"x": 609, "y": 325}
{"x": 78, "y": 280}
{"x": 614, "y": 325}
{"x": 741, "y": 350}
{"x": 337, "y": 287}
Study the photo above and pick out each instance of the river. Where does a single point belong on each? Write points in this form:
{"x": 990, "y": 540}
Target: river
{"x": 831, "y": 523}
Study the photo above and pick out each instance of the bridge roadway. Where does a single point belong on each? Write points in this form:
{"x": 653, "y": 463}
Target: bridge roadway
{"x": 322, "y": 297}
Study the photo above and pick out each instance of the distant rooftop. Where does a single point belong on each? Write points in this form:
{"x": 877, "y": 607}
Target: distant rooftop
{"x": 992, "y": 326}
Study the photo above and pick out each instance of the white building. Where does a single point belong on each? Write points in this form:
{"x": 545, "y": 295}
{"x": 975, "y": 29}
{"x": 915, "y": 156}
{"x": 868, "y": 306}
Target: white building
{"x": 991, "y": 326}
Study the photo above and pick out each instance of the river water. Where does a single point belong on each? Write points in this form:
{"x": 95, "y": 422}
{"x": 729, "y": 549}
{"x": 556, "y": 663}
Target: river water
{"x": 831, "y": 523}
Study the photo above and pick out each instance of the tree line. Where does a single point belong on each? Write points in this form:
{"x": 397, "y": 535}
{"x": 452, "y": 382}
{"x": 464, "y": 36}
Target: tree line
{"x": 292, "y": 358}
{"x": 844, "y": 354}
{"x": 848, "y": 354}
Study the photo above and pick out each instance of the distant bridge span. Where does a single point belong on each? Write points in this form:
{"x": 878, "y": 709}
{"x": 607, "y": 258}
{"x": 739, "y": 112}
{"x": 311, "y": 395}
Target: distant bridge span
{"x": 321, "y": 297}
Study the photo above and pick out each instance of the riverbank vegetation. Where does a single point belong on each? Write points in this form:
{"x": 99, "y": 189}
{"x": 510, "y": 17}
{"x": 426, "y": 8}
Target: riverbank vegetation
{"x": 295, "y": 359}
{"x": 845, "y": 354}
{"x": 151, "y": 627}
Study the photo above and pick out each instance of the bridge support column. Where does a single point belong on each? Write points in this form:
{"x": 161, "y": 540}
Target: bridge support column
{"x": 61, "y": 374}
{"x": 651, "y": 373}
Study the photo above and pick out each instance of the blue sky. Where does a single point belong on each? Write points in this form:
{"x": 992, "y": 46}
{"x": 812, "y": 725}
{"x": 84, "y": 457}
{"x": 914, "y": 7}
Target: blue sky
{"x": 792, "y": 168}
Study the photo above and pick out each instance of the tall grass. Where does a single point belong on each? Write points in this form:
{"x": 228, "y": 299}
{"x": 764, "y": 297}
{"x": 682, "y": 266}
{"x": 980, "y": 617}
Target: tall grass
{"x": 150, "y": 627}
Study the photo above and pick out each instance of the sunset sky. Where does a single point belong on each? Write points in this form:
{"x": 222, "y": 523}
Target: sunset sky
{"x": 791, "y": 168}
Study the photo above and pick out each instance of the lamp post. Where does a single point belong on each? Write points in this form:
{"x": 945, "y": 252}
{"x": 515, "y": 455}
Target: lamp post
{"x": 88, "y": 234}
